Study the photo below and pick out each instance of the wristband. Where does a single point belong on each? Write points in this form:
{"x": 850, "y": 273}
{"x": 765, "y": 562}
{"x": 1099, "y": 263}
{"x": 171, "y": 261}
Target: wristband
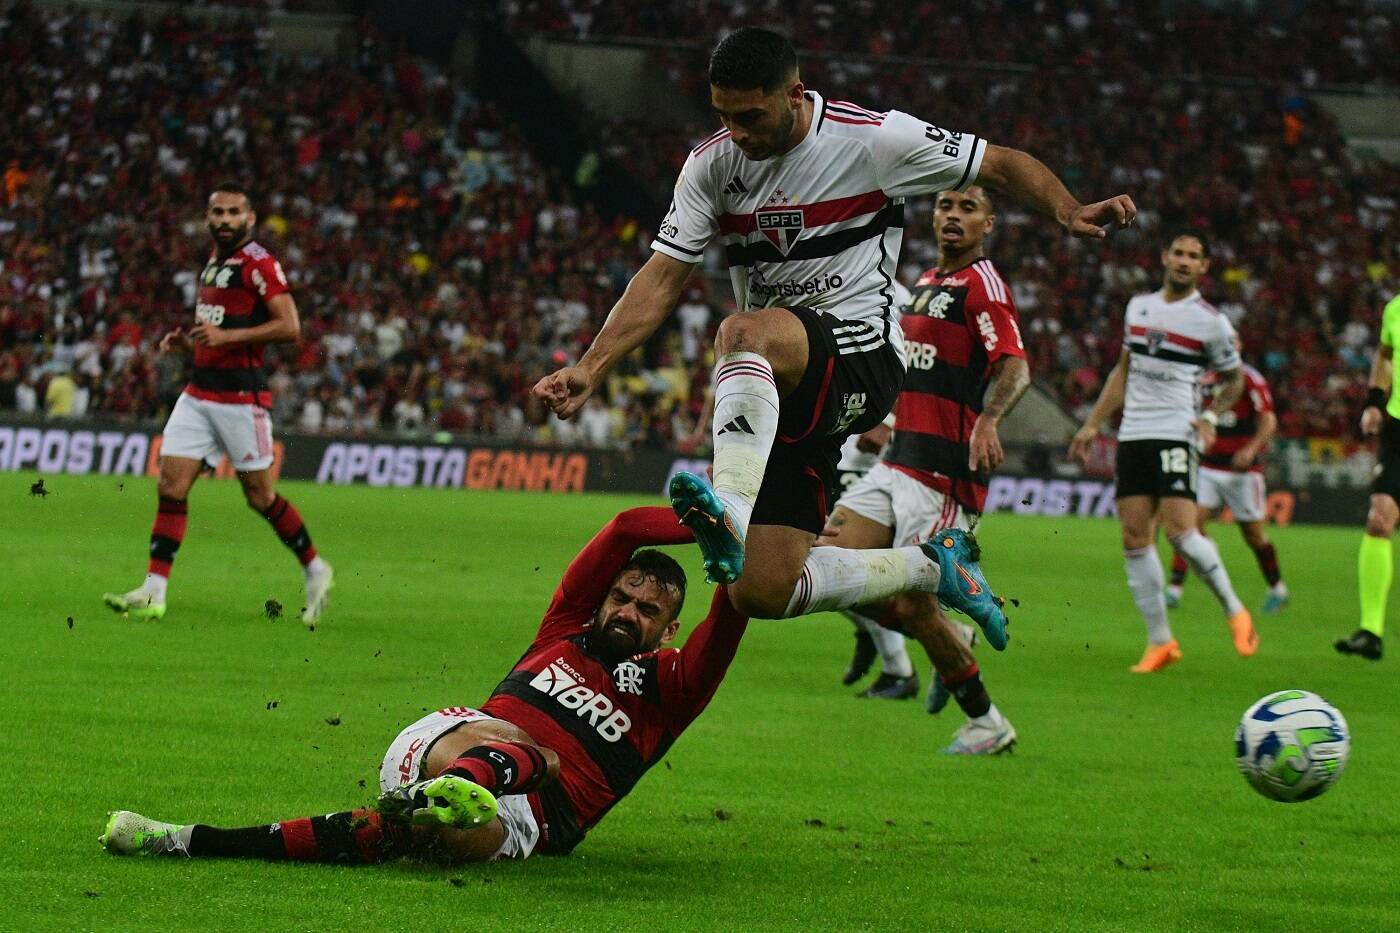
{"x": 1210, "y": 417}
{"x": 1375, "y": 398}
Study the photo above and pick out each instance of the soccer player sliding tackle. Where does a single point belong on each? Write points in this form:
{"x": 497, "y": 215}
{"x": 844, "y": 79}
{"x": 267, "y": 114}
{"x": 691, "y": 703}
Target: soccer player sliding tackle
{"x": 595, "y": 701}
{"x": 967, "y": 369}
{"x": 244, "y": 304}
{"x": 807, "y": 197}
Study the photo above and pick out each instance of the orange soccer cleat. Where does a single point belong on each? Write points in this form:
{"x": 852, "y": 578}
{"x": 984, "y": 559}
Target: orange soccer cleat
{"x": 1157, "y": 657}
{"x": 1242, "y": 628}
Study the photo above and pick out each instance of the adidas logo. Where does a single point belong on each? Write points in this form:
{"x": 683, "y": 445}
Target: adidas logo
{"x": 736, "y": 186}
{"x": 740, "y": 424}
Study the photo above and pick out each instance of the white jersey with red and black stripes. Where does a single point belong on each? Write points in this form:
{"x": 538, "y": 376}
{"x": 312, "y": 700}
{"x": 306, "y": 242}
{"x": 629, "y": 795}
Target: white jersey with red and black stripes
{"x": 821, "y": 225}
{"x": 1170, "y": 345}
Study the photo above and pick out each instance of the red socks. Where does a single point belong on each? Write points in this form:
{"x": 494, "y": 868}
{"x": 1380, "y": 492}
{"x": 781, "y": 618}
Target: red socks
{"x": 286, "y": 521}
{"x": 172, "y": 515}
{"x": 502, "y": 767}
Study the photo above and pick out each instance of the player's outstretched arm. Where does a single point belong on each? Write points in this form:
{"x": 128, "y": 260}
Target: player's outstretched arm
{"x": 690, "y": 677}
{"x": 591, "y": 573}
{"x": 649, "y": 298}
{"x": 1026, "y": 179}
{"x": 1109, "y": 404}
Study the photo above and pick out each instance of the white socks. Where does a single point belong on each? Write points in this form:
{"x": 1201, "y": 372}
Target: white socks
{"x": 1204, "y": 557}
{"x": 894, "y": 659}
{"x": 316, "y": 566}
{"x": 155, "y": 585}
{"x": 1146, "y": 580}
{"x": 746, "y": 422}
{"x": 840, "y": 578}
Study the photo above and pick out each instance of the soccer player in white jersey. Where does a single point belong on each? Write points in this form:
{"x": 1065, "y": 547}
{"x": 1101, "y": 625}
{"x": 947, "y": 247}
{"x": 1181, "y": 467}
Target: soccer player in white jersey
{"x": 806, "y": 196}
{"x": 1170, "y": 337}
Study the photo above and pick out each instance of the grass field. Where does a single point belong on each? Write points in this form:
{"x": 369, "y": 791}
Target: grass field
{"x": 1121, "y": 809}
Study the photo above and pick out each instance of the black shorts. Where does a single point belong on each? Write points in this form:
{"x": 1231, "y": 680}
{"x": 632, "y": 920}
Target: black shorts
{"x": 846, "y": 390}
{"x": 1160, "y": 469}
{"x": 1387, "y": 479}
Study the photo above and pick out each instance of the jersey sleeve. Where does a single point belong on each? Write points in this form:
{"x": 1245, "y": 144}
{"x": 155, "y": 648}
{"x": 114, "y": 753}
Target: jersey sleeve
{"x": 264, "y": 276}
{"x": 1221, "y": 353}
{"x": 591, "y": 573}
{"x": 688, "y": 678}
{"x": 993, "y": 319}
{"x": 1389, "y": 318}
{"x": 913, "y": 157}
{"x": 1258, "y": 391}
{"x": 692, "y": 219}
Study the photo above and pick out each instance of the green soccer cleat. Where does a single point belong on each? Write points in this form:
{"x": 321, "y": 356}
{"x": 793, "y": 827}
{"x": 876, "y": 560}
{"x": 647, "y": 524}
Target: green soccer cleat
{"x": 460, "y": 803}
{"x": 138, "y": 604}
{"x": 700, "y": 510}
{"x": 130, "y": 833}
{"x": 962, "y": 586}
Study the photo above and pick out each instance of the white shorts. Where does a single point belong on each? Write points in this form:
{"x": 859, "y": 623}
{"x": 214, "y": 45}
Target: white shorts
{"x": 1242, "y": 492}
{"x": 203, "y": 430}
{"x": 900, "y": 502}
{"x": 404, "y": 759}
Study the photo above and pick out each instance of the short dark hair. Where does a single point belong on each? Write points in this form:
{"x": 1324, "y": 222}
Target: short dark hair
{"x": 232, "y": 187}
{"x": 752, "y": 57}
{"x": 659, "y": 567}
{"x": 1192, "y": 232}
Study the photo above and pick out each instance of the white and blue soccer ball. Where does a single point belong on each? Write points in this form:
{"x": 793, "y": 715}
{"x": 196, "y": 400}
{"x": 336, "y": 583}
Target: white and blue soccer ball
{"x": 1292, "y": 745}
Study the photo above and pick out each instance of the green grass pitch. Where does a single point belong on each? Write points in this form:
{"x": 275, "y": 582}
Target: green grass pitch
{"x": 789, "y": 805}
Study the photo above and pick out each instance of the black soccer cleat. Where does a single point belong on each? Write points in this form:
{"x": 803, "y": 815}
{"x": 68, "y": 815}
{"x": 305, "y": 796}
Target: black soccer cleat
{"x": 891, "y": 687}
{"x": 862, "y": 660}
{"x": 1366, "y": 644}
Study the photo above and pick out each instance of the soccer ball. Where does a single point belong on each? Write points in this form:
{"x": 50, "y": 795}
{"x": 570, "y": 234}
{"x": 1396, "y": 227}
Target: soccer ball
{"x": 1292, "y": 745}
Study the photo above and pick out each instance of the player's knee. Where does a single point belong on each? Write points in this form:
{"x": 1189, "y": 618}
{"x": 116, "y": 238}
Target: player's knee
{"x": 761, "y": 600}
{"x": 740, "y": 333}
{"x": 259, "y": 500}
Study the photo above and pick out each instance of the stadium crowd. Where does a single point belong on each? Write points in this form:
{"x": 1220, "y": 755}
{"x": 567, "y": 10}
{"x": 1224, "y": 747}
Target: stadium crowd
{"x": 440, "y": 266}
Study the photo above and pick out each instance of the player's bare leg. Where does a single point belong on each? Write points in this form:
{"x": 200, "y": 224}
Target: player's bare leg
{"x": 1179, "y": 566}
{"x": 1178, "y": 517}
{"x": 260, "y": 491}
{"x": 1264, "y": 553}
{"x": 147, "y": 601}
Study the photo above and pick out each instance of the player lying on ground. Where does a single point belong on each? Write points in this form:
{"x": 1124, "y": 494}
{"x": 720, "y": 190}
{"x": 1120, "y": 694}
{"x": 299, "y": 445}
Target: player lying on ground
{"x": 1376, "y": 564}
{"x": 244, "y": 304}
{"x": 807, "y": 196}
{"x": 594, "y": 702}
{"x": 1232, "y": 476}
{"x": 1170, "y": 337}
{"x": 967, "y": 369}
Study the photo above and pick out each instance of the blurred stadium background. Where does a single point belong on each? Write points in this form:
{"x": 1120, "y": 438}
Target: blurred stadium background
{"x": 459, "y": 192}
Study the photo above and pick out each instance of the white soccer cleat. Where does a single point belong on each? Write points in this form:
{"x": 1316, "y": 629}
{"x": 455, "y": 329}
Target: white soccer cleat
{"x": 130, "y": 833}
{"x": 318, "y": 587}
{"x": 977, "y": 739}
{"x": 140, "y": 603}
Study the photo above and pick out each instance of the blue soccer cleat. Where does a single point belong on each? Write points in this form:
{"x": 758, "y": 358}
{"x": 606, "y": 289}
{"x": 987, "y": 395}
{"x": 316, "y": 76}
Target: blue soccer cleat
{"x": 700, "y": 510}
{"x": 963, "y": 587}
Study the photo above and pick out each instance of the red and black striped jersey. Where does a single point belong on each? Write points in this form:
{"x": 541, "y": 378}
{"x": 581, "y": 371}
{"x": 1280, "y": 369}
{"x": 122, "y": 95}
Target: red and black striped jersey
{"x": 233, "y": 294}
{"x": 609, "y": 722}
{"x": 1239, "y": 424}
{"x": 956, "y": 326}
